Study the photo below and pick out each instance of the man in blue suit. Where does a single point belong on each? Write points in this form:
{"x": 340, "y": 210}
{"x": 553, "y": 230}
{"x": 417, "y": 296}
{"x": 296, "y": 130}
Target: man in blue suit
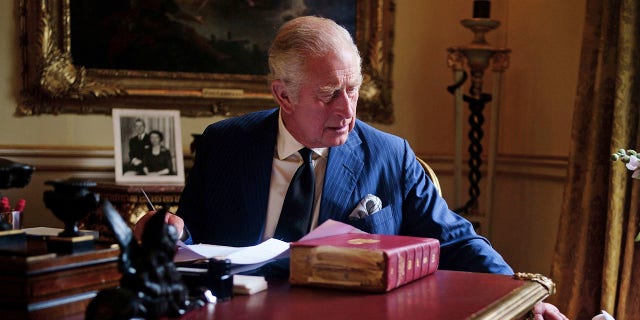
{"x": 243, "y": 166}
{"x": 235, "y": 191}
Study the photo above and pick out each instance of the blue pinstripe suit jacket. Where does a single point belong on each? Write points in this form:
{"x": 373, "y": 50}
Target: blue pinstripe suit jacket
{"x": 225, "y": 198}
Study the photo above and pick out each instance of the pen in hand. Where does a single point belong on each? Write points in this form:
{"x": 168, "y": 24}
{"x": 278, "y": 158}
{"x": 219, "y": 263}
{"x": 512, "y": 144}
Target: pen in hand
{"x": 149, "y": 203}
{"x": 184, "y": 233}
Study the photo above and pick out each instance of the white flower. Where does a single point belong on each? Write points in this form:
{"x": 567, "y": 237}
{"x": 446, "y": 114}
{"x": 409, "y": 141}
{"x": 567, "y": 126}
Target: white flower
{"x": 603, "y": 316}
{"x": 633, "y": 163}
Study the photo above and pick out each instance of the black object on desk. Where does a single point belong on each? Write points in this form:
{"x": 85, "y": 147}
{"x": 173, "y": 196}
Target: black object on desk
{"x": 70, "y": 201}
{"x": 150, "y": 280}
{"x": 219, "y": 279}
{"x": 214, "y": 275}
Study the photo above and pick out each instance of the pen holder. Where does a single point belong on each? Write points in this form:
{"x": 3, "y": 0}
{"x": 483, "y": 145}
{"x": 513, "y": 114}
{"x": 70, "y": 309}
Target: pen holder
{"x": 12, "y": 240}
{"x": 11, "y": 218}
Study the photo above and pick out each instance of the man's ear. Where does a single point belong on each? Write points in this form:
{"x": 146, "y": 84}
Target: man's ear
{"x": 281, "y": 94}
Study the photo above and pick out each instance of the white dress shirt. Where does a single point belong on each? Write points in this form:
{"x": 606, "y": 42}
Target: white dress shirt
{"x": 286, "y": 161}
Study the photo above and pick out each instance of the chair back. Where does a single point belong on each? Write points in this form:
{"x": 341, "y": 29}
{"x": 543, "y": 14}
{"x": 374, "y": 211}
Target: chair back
{"x": 431, "y": 174}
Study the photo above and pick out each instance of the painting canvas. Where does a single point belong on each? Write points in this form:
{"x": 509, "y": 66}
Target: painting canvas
{"x": 202, "y": 57}
{"x": 228, "y": 36}
{"x": 148, "y": 146}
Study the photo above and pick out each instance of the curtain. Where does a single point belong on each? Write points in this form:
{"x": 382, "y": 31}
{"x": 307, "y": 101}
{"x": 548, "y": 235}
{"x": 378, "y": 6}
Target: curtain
{"x": 595, "y": 265}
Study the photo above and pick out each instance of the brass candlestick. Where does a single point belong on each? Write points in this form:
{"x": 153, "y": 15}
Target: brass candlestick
{"x": 478, "y": 53}
{"x": 476, "y": 57}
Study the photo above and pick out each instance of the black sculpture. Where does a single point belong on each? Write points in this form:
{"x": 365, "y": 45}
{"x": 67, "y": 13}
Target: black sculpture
{"x": 151, "y": 286}
{"x": 70, "y": 200}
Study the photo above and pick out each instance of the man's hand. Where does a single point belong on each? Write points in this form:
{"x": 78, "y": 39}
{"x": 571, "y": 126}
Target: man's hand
{"x": 169, "y": 218}
{"x": 547, "y": 311}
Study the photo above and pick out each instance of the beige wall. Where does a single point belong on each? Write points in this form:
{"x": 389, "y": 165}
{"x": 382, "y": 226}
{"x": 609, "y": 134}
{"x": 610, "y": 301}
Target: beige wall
{"x": 535, "y": 117}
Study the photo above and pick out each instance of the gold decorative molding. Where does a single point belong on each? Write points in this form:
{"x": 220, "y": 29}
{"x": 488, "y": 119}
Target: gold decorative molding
{"x": 59, "y": 78}
{"x": 544, "y": 281}
{"x": 520, "y": 302}
{"x": 54, "y": 84}
{"x": 517, "y": 304}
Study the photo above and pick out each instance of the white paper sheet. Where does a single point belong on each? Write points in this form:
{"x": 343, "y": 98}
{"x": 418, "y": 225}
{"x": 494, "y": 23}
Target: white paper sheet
{"x": 263, "y": 252}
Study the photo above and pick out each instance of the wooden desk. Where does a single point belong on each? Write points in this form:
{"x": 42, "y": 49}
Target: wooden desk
{"x": 447, "y": 295}
{"x": 444, "y": 295}
{"x": 41, "y": 285}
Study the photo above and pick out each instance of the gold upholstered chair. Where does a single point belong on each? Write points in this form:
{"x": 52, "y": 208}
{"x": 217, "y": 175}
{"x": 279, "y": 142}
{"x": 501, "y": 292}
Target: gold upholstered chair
{"x": 431, "y": 174}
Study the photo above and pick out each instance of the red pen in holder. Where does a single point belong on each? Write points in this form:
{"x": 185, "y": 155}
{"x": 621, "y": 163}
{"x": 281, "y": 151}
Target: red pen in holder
{"x": 12, "y": 217}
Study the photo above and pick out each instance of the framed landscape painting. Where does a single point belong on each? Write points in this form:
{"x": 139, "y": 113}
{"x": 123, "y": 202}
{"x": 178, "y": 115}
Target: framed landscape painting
{"x": 200, "y": 57}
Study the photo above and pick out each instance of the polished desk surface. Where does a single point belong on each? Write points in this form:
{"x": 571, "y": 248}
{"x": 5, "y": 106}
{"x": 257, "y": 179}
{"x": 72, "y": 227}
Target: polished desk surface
{"x": 443, "y": 295}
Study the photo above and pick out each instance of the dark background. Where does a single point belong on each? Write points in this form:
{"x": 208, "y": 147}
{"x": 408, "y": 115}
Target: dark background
{"x": 163, "y": 35}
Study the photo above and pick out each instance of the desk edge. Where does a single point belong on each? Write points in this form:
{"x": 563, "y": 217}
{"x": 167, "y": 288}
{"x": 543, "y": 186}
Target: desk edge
{"x": 515, "y": 304}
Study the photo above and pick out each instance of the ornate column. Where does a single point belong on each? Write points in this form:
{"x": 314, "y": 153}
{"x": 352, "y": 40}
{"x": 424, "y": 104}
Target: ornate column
{"x": 474, "y": 59}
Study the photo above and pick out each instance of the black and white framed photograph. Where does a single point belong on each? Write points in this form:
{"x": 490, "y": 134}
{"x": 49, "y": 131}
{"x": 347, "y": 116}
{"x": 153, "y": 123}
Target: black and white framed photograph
{"x": 148, "y": 146}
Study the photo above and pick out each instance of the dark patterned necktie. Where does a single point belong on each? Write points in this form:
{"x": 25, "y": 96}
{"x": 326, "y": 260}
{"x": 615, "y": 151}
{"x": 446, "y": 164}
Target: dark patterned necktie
{"x": 295, "y": 217}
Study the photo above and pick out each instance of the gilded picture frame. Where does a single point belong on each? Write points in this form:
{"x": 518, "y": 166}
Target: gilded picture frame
{"x": 54, "y": 84}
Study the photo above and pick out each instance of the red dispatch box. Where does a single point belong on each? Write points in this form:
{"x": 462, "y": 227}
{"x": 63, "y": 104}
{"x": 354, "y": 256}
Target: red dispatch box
{"x": 366, "y": 262}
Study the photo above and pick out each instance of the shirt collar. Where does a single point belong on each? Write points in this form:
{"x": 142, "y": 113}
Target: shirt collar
{"x": 287, "y": 145}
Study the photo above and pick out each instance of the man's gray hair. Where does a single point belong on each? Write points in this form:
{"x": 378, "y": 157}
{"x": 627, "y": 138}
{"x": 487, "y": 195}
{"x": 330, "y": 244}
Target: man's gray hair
{"x": 299, "y": 39}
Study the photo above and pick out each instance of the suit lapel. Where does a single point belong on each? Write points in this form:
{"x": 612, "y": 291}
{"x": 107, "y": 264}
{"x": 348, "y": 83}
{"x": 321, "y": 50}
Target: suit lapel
{"x": 344, "y": 167}
{"x": 256, "y": 179}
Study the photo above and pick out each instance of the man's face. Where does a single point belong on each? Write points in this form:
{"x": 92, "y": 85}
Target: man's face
{"x": 325, "y": 111}
{"x": 139, "y": 127}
